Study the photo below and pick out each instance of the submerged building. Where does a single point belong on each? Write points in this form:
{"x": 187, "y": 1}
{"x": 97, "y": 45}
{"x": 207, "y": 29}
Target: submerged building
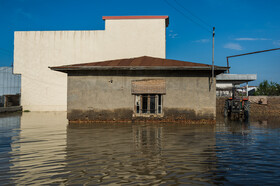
{"x": 141, "y": 89}
{"x": 34, "y": 51}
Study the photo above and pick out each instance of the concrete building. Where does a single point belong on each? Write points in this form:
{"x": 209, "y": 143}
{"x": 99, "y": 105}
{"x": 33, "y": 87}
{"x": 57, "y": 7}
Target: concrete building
{"x": 34, "y": 51}
{"x": 143, "y": 88}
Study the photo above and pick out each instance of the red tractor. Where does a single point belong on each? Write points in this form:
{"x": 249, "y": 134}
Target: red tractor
{"x": 240, "y": 106}
{"x": 237, "y": 107}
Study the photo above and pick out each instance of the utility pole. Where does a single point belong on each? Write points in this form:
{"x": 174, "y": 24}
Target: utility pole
{"x": 213, "y": 54}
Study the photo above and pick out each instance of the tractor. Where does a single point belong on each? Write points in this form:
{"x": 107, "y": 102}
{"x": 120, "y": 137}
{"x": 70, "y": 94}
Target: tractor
{"x": 237, "y": 107}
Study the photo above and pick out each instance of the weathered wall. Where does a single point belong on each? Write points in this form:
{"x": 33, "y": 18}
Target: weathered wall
{"x": 92, "y": 96}
{"x": 34, "y": 51}
{"x": 272, "y": 108}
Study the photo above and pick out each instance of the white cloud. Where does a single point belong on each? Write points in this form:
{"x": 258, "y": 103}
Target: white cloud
{"x": 173, "y": 35}
{"x": 251, "y": 39}
{"x": 276, "y": 43}
{"x": 233, "y": 46}
{"x": 202, "y": 41}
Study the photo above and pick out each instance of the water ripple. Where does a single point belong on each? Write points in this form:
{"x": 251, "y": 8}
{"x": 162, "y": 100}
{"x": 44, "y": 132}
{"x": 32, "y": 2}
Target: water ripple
{"x": 41, "y": 148}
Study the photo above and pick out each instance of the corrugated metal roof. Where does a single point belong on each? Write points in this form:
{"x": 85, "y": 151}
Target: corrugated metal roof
{"x": 139, "y": 63}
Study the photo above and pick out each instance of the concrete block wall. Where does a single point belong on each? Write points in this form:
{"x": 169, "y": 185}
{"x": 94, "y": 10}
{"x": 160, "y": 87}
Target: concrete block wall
{"x": 272, "y": 108}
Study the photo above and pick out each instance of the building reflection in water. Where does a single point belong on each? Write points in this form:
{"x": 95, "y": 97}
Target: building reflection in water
{"x": 140, "y": 154}
{"x": 246, "y": 127}
{"x": 147, "y": 151}
{"x": 246, "y": 151}
{"x": 41, "y": 148}
{"x": 39, "y": 157}
{"x": 9, "y": 134}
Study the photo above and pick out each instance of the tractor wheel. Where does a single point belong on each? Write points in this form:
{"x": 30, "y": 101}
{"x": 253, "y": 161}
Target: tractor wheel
{"x": 246, "y": 110}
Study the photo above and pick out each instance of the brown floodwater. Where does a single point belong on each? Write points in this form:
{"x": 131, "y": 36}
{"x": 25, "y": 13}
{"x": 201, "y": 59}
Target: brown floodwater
{"x": 41, "y": 148}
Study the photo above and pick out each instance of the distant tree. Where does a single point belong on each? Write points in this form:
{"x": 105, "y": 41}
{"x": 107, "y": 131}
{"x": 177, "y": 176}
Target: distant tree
{"x": 268, "y": 89}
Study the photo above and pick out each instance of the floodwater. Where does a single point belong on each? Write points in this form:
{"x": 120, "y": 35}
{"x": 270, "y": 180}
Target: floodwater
{"x": 41, "y": 148}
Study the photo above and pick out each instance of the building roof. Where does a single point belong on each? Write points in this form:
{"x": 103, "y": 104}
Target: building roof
{"x": 139, "y": 63}
{"x": 236, "y": 79}
{"x": 138, "y": 17}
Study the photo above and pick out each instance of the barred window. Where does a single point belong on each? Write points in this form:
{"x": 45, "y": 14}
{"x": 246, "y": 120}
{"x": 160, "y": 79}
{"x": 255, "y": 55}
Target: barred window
{"x": 148, "y": 104}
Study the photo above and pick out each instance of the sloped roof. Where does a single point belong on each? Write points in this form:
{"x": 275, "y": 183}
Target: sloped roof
{"x": 139, "y": 63}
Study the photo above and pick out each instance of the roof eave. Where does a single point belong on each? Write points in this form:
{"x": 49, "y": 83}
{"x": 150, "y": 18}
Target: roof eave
{"x": 137, "y": 68}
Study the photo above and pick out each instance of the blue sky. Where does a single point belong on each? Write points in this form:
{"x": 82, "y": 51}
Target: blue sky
{"x": 241, "y": 26}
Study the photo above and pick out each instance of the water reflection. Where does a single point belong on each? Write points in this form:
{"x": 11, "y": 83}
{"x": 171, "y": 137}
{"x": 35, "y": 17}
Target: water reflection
{"x": 141, "y": 154}
{"x": 41, "y": 148}
{"x": 9, "y": 134}
{"x": 248, "y": 153}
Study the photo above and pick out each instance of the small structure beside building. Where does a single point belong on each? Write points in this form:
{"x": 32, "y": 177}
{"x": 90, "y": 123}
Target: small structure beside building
{"x": 141, "y": 89}
{"x": 225, "y": 83}
{"x": 10, "y": 86}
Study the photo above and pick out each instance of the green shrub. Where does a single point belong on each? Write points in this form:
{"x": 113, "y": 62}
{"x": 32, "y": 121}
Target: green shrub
{"x": 268, "y": 89}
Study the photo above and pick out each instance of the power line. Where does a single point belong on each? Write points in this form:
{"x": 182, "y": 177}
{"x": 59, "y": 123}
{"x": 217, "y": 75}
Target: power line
{"x": 187, "y": 16}
{"x": 193, "y": 14}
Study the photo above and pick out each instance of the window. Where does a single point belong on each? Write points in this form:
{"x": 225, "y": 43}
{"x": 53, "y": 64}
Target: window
{"x": 148, "y": 94}
{"x": 148, "y": 104}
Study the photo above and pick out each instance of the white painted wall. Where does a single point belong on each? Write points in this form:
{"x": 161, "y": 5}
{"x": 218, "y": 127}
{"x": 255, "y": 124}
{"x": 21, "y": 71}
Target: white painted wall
{"x": 34, "y": 51}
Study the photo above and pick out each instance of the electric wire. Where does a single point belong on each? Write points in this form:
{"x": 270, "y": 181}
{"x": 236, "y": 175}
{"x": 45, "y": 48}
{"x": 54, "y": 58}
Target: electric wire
{"x": 203, "y": 27}
{"x": 193, "y": 14}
